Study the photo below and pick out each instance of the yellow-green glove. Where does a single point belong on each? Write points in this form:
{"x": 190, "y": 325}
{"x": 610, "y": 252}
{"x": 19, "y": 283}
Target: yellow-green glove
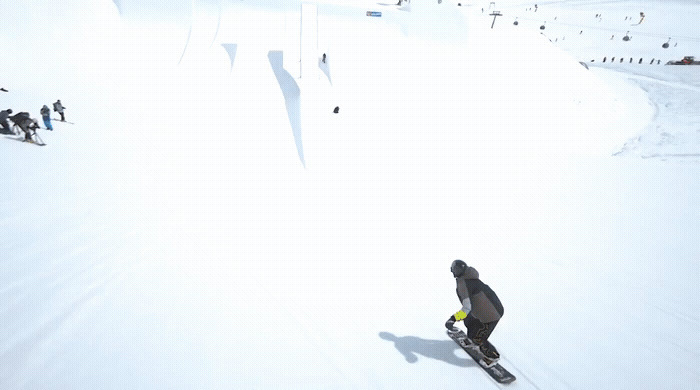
{"x": 460, "y": 315}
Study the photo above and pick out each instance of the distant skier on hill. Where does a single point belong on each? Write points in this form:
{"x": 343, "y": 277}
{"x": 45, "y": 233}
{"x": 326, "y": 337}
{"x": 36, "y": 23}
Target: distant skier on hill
{"x": 481, "y": 310}
{"x": 4, "y": 125}
{"x": 58, "y": 107}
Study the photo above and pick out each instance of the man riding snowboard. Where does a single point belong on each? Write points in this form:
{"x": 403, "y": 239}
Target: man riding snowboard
{"x": 481, "y": 310}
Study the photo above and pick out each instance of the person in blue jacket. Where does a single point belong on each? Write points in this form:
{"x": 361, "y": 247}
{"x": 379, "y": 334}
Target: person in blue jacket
{"x": 46, "y": 116}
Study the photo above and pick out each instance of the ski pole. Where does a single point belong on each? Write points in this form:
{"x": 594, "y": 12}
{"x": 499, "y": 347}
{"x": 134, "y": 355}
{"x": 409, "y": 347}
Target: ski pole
{"x": 39, "y": 138}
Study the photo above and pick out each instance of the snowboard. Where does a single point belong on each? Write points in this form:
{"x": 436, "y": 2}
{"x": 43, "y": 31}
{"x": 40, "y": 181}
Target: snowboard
{"x": 497, "y": 372}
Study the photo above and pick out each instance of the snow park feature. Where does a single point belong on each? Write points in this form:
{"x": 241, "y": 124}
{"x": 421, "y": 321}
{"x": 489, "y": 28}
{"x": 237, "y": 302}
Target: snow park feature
{"x": 172, "y": 238}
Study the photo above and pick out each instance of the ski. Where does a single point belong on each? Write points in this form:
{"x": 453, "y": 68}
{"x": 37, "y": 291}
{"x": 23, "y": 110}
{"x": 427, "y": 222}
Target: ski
{"x": 58, "y": 120}
{"x": 28, "y": 142}
{"x": 497, "y": 372}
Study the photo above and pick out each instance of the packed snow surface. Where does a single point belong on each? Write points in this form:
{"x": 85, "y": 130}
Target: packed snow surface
{"x": 208, "y": 221}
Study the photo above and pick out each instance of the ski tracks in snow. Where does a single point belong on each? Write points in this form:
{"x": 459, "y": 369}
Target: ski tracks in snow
{"x": 674, "y": 130}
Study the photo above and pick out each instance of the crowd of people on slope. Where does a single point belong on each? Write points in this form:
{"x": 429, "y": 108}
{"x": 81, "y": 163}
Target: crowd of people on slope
{"x": 26, "y": 123}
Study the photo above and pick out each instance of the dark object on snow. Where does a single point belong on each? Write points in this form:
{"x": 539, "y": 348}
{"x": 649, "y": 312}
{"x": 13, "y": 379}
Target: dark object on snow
{"x": 3, "y": 89}
{"x": 336, "y": 110}
{"x": 687, "y": 60}
{"x": 542, "y": 27}
{"x": 324, "y": 58}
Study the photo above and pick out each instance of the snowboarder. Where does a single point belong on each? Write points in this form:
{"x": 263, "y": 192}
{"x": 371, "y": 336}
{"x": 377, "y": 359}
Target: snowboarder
{"x": 46, "y": 116}
{"x": 58, "y": 107}
{"x": 481, "y": 310}
{"x": 27, "y": 124}
{"x": 5, "y": 126}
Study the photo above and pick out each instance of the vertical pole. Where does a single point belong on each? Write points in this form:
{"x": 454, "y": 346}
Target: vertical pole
{"x": 495, "y": 14}
{"x": 301, "y": 32}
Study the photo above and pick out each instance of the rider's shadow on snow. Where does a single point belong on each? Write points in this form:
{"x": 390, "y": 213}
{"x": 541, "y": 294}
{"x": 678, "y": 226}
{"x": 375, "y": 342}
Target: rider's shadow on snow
{"x": 444, "y": 350}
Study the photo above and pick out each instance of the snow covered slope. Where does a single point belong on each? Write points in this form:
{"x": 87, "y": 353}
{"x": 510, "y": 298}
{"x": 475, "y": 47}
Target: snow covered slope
{"x": 173, "y": 239}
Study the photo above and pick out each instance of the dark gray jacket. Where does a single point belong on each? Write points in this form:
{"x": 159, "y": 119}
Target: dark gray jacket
{"x": 477, "y": 297}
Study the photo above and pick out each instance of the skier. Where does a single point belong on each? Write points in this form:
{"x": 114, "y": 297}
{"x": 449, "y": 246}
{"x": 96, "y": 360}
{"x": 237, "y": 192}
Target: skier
{"x": 481, "y": 310}
{"x": 27, "y": 124}
{"x": 58, "y": 107}
{"x": 5, "y": 126}
{"x": 46, "y": 116}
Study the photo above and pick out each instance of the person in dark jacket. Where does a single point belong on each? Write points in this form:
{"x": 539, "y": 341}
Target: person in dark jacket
{"x": 58, "y": 107}
{"x": 4, "y": 125}
{"x": 27, "y": 124}
{"x": 481, "y": 310}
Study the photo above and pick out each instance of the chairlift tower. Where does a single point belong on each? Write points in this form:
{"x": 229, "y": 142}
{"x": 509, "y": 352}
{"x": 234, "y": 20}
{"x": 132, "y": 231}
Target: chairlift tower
{"x": 495, "y": 14}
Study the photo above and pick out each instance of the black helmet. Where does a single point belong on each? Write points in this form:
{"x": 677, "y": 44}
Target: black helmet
{"x": 458, "y": 267}
{"x": 9, "y": 111}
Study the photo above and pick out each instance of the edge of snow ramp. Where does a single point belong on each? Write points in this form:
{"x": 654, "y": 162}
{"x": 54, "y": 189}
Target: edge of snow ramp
{"x": 187, "y": 42}
{"x": 231, "y": 49}
{"x": 292, "y": 98}
{"x": 325, "y": 69}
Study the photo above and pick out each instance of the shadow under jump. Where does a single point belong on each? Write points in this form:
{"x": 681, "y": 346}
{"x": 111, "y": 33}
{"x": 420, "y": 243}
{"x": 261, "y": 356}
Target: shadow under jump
{"x": 443, "y": 350}
{"x": 231, "y": 49}
{"x": 292, "y": 98}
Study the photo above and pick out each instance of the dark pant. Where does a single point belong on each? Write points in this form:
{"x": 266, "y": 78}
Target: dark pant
{"x": 479, "y": 333}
